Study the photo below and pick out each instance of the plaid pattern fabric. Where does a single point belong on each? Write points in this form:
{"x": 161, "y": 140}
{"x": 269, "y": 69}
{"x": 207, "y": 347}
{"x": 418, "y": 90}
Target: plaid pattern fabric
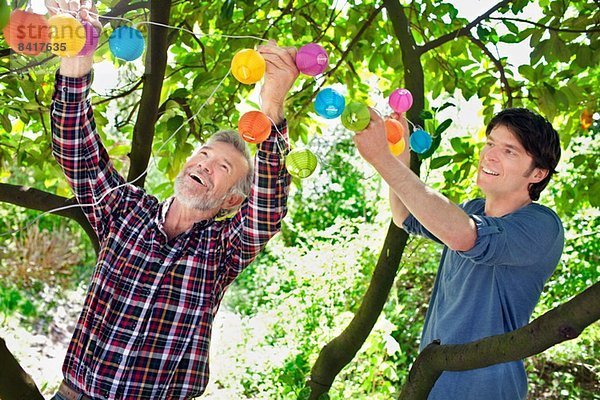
{"x": 145, "y": 328}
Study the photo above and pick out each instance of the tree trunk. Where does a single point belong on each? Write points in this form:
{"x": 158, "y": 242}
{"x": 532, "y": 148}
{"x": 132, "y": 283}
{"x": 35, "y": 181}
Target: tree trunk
{"x": 156, "y": 64}
{"x": 15, "y": 383}
{"x": 341, "y": 350}
{"x": 562, "y": 323}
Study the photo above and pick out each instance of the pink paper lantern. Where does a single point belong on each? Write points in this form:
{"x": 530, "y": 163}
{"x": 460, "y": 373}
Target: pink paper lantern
{"x": 401, "y": 100}
{"x": 91, "y": 39}
{"x": 312, "y": 59}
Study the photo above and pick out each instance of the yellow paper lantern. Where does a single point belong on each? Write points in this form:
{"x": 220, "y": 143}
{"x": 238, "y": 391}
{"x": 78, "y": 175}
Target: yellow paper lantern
{"x": 397, "y": 148}
{"x": 301, "y": 163}
{"x": 67, "y": 35}
{"x": 248, "y": 66}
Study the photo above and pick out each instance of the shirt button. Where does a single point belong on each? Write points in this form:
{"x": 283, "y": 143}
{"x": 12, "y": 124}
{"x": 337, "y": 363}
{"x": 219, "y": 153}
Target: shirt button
{"x": 65, "y": 89}
{"x": 118, "y": 358}
{"x": 145, "y": 291}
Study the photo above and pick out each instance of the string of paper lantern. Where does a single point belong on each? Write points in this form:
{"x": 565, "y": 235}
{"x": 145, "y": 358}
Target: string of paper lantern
{"x": 248, "y": 67}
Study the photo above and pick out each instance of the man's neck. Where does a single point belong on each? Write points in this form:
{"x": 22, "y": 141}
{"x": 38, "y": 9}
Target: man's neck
{"x": 180, "y": 218}
{"x": 500, "y": 206}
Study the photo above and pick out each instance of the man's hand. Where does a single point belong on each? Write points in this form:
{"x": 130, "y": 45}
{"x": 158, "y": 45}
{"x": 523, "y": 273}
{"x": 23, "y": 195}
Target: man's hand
{"x": 372, "y": 142}
{"x": 280, "y": 75}
{"x": 76, "y": 66}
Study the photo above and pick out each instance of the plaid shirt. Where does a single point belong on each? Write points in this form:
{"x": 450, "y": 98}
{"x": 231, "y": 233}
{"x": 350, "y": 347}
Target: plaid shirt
{"x": 145, "y": 328}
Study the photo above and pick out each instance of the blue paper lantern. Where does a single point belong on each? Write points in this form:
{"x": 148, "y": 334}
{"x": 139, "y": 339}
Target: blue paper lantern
{"x": 126, "y": 43}
{"x": 420, "y": 141}
{"x": 329, "y": 103}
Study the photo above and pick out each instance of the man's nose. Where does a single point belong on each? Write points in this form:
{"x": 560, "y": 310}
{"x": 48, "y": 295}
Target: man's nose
{"x": 491, "y": 154}
{"x": 206, "y": 166}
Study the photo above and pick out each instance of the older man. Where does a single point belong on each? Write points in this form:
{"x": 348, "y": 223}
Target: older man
{"x": 145, "y": 328}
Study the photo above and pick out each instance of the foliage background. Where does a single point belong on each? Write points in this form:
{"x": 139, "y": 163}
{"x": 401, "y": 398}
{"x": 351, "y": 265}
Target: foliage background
{"x": 304, "y": 289}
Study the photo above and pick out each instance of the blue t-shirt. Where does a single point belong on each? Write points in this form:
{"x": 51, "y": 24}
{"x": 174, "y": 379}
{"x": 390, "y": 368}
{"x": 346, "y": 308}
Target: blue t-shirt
{"x": 489, "y": 290}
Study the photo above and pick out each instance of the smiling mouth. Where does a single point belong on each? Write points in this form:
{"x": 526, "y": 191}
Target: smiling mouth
{"x": 489, "y": 172}
{"x": 198, "y": 179}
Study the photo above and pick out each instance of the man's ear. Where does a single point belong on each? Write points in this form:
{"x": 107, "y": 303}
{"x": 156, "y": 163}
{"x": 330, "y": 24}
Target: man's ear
{"x": 538, "y": 175}
{"x": 232, "y": 201}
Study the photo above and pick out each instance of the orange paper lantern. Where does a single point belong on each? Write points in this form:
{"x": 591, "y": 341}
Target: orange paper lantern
{"x": 394, "y": 130}
{"x": 254, "y": 127}
{"x": 27, "y": 33}
{"x": 586, "y": 119}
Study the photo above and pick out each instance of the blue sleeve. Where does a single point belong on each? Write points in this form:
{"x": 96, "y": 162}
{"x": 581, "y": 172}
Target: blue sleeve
{"x": 522, "y": 238}
{"x": 414, "y": 227}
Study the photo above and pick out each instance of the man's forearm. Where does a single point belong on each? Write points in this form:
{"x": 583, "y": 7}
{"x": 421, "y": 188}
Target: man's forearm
{"x": 75, "y": 67}
{"x": 399, "y": 210}
{"x": 436, "y": 213}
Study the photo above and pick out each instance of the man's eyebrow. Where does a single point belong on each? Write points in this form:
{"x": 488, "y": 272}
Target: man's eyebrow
{"x": 510, "y": 146}
{"x": 229, "y": 164}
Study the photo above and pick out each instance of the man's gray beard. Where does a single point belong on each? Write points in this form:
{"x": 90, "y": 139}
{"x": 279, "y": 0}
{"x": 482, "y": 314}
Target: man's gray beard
{"x": 200, "y": 203}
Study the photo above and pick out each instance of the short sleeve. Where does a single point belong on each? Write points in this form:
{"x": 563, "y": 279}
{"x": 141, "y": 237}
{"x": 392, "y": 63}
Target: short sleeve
{"x": 522, "y": 238}
{"x": 413, "y": 227}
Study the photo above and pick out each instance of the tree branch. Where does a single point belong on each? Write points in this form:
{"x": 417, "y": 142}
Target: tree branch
{"x": 122, "y": 94}
{"x": 36, "y": 199}
{"x": 122, "y": 8}
{"x": 15, "y": 383}
{"x": 550, "y": 28}
{"x": 462, "y": 31}
{"x": 342, "y": 58}
{"x": 505, "y": 85}
{"x": 565, "y": 322}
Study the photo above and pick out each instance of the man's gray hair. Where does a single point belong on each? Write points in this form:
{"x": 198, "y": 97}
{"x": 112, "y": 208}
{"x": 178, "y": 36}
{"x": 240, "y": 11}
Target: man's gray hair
{"x": 243, "y": 186}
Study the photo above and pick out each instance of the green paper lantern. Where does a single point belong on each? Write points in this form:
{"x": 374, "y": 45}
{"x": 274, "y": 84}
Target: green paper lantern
{"x": 4, "y": 14}
{"x": 356, "y": 116}
{"x": 301, "y": 163}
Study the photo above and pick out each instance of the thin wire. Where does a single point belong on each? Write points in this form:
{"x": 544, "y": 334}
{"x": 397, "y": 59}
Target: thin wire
{"x": 127, "y": 183}
{"x": 201, "y": 34}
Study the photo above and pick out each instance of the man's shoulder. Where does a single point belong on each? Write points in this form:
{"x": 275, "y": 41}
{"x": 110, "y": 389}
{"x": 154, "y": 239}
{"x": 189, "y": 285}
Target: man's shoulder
{"x": 473, "y": 206}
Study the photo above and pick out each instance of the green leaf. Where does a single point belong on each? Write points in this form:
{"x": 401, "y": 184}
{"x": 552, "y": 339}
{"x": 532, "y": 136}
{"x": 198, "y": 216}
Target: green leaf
{"x": 510, "y": 38}
{"x": 174, "y": 123}
{"x": 227, "y": 10}
{"x": 511, "y": 27}
{"x": 425, "y": 115}
{"x": 440, "y": 162}
{"x": 444, "y": 106}
{"x": 457, "y": 144}
{"x": 442, "y": 127}
{"x": 6, "y": 124}
{"x": 594, "y": 194}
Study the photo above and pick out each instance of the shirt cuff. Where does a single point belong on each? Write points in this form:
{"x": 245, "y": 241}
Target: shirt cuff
{"x": 277, "y": 142}
{"x": 72, "y": 90}
{"x": 484, "y": 245}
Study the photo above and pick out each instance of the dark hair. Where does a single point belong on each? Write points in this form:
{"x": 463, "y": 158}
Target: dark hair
{"x": 537, "y": 136}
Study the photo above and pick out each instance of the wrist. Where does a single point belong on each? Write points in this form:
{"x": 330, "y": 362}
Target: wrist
{"x": 75, "y": 67}
{"x": 274, "y": 111}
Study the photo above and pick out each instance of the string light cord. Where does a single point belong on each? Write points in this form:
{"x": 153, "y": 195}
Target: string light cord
{"x": 127, "y": 183}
